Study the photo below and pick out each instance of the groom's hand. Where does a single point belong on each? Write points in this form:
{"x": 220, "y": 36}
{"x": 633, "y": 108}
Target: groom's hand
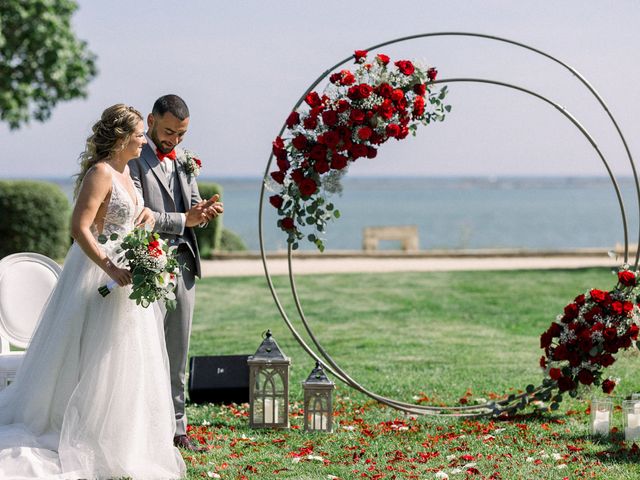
{"x": 204, "y": 211}
{"x": 214, "y": 207}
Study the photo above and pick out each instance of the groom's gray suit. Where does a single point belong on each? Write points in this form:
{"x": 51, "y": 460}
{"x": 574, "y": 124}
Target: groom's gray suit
{"x": 168, "y": 196}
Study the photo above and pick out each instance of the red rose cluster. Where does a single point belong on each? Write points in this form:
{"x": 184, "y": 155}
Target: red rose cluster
{"x": 358, "y": 111}
{"x": 592, "y": 329}
{"x": 154, "y": 248}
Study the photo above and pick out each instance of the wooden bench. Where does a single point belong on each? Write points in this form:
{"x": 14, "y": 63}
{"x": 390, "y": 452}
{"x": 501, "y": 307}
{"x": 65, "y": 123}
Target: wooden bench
{"x": 407, "y": 234}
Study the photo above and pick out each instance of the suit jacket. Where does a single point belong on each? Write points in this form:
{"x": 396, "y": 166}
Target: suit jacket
{"x": 150, "y": 179}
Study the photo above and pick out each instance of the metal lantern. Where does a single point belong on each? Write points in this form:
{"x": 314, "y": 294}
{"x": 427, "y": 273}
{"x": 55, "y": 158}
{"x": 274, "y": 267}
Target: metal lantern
{"x": 318, "y": 401}
{"x": 268, "y": 386}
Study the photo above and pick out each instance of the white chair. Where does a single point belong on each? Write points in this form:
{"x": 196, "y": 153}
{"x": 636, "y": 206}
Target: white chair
{"x": 26, "y": 281}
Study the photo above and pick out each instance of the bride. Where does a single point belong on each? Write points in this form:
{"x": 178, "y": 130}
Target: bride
{"x": 92, "y": 398}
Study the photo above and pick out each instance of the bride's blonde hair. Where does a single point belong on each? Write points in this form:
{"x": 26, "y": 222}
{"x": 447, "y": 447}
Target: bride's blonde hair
{"x": 110, "y": 134}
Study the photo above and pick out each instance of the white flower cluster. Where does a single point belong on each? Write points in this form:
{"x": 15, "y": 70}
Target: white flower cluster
{"x": 144, "y": 258}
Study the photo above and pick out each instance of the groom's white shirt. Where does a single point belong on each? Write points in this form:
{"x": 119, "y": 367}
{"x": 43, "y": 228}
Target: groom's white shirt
{"x": 168, "y": 167}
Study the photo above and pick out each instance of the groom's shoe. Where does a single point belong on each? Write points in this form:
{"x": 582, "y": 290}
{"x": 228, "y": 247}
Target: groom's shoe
{"x": 184, "y": 442}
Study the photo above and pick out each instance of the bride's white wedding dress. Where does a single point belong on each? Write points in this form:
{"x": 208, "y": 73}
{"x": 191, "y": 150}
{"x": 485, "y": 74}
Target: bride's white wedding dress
{"x": 92, "y": 399}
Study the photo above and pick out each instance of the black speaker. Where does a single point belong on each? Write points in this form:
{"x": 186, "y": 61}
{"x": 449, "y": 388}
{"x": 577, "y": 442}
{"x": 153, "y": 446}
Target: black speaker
{"x": 219, "y": 379}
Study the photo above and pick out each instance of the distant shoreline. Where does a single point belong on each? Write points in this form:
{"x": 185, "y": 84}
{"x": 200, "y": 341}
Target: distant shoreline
{"x": 488, "y": 178}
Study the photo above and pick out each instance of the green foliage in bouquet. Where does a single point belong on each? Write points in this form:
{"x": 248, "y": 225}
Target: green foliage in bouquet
{"x": 153, "y": 264}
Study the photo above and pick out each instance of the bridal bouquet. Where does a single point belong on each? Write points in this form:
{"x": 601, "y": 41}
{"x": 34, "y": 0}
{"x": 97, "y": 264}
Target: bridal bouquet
{"x": 153, "y": 264}
{"x": 583, "y": 340}
{"x": 358, "y": 111}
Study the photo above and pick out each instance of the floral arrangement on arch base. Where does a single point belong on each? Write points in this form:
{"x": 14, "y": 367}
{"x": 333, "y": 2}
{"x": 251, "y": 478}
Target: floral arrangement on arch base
{"x": 358, "y": 111}
{"x": 583, "y": 340}
{"x": 580, "y": 344}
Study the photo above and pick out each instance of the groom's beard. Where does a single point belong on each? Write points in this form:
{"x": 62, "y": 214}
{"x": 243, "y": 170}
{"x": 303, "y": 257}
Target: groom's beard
{"x": 153, "y": 135}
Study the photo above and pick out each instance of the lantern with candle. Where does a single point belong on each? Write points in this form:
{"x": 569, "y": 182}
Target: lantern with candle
{"x": 268, "y": 386}
{"x": 601, "y": 409}
{"x": 631, "y": 419}
{"x": 318, "y": 401}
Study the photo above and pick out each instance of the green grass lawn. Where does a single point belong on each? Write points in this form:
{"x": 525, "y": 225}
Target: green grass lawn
{"x": 442, "y": 336}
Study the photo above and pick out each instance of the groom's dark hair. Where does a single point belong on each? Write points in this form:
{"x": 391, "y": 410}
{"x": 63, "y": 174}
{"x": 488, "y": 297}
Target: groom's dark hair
{"x": 172, "y": 104}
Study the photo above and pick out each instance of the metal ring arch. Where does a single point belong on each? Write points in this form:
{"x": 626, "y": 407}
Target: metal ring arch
{"x": 332, "y": 366}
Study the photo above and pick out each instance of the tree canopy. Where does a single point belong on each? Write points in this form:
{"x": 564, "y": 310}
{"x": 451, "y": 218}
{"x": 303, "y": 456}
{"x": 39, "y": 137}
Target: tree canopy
{"x": 41, "y": 60}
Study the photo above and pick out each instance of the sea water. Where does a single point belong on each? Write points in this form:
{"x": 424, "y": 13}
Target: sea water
{"x": 554, "y": 213}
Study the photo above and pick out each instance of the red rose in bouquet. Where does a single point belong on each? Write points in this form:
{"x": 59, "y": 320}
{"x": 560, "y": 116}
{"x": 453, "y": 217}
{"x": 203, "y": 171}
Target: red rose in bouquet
{"x": 365, "y": 133}
{"x": 608, "y": 386}
{"x": 299, "y": 142}
{"x": 287, "y": 223}
{"x": 360, "y": 55}
{"x": 313, "y": 99}
{"x": 310, "y": 123}
{"x": 276, "y": 201}
{"x": 405, "y": 66}
{"x": 293, "y": 119}
{"x": 307, "y": 187}
{"x": 278, "y": 177}
{"x": 330, "y": 117}
{"x": 382, "y": 58}
{"x": 627, "y": 278}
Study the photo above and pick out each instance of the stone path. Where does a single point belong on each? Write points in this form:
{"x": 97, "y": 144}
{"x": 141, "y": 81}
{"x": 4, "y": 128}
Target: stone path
{"x": 250, "y": 265}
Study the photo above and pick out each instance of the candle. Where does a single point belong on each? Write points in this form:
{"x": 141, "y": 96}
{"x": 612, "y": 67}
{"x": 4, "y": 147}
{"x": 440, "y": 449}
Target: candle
{"x": 318, "y": 421}
{"x": 631, "y": 433}
{"x": 271, "y": 413}
{"x": 632, "y": 430}
{"x": 633, "y": 420}
{"x": 601, "y": 423}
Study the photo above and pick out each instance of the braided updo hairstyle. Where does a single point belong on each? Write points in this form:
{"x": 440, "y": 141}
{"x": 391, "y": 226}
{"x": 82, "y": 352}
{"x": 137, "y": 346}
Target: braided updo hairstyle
{"x": 110, "y": 134}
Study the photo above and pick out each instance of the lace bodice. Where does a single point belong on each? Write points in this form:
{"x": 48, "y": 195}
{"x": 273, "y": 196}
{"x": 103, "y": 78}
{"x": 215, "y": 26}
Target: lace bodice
{"x": 121, "y": 211}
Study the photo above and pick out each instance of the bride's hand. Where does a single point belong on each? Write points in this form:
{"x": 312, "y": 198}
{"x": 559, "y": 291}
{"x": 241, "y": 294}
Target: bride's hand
{"x": 146, "y": 217}
{"x": 121, "y": 275}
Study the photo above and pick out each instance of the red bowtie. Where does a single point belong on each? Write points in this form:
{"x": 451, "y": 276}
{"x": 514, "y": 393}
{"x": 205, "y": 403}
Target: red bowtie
{"x": 161, "y": 156}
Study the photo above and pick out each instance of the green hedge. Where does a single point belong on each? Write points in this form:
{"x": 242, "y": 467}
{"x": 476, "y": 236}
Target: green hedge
{"x": 209, "y": 236}
{"x": 35, "y": 218}
{"x": 231, "y": 242}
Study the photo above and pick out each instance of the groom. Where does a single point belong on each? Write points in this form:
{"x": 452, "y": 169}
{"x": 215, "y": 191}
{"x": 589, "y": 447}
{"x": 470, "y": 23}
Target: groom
{"x": 172, "y": 194}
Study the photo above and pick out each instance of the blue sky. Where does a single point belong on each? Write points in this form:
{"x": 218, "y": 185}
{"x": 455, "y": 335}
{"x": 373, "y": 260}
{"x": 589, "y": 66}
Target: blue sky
{"x": 241, "y": 65}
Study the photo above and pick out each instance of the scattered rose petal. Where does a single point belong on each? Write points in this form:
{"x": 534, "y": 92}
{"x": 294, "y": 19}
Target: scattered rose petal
{"x": 442, "y": 475}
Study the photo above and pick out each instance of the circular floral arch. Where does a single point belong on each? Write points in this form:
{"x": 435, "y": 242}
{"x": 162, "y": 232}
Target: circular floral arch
{"x": 513, "y": 402}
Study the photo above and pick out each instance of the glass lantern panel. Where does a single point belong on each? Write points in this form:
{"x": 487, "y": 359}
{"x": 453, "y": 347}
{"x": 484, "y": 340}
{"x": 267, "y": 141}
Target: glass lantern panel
{"x": 268, "y": 383}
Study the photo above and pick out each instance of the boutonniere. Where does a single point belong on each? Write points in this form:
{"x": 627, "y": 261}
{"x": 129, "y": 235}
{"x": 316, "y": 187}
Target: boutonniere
{"x": 192, "y": 164}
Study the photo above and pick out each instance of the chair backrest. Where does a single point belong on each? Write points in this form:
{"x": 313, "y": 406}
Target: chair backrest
{"x": 26, "y": 281}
